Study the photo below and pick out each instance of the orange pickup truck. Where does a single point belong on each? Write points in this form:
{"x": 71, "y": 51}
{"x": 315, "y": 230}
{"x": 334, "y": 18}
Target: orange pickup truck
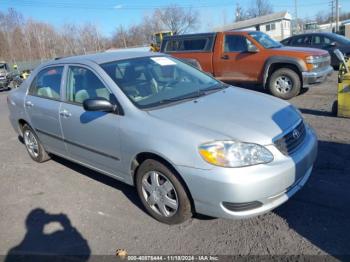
{"x": 252, "y": 56}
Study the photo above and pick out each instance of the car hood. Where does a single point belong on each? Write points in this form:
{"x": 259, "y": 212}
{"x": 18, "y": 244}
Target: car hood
{"x": 236, "y": 113}
{"x": 302, "y": 50}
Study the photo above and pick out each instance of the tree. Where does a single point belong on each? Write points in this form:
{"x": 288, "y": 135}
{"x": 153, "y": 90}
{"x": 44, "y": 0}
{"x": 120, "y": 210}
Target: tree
{"x": 238, "y": 13}
{"x": 176, "y": 19}
{"x": 260, "y": 8}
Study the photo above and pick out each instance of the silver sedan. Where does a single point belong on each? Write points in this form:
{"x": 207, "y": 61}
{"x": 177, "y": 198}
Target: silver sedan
{"x": 186, "y": 141}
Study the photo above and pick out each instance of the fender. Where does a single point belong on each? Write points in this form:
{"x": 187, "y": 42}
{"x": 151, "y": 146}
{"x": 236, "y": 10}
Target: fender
{"x": 299, "y": 63}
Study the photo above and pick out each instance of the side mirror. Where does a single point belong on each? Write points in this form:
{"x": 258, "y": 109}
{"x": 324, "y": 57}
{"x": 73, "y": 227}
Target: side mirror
{"x": 333, "y": 44}
{"x": 252, "y": 49}
{"x": 99, "y": 104}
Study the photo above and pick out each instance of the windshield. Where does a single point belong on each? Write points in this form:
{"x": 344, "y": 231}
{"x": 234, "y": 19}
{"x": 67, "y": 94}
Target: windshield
{"x": 341, "y": 39}
{"x": 264, "y": 40}
{"x": 3, "y": 66}
{"x": 154, "y": 81}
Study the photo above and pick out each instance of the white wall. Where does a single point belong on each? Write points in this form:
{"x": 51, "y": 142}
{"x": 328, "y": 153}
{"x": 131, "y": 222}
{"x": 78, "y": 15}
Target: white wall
{"x": 282, "y": 29}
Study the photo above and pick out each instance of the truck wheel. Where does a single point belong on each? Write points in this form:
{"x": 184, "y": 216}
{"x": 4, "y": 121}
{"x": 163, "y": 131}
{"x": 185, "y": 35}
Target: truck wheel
{"x": 35, "y": 149}
{"x": 162, "y": 193}
{"x": 284, "y": 83}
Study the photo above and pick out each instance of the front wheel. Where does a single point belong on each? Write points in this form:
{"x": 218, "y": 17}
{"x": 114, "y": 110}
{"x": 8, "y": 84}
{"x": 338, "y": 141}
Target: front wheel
{"x": 284, "y": 83}
{"x": 162, "y": 193}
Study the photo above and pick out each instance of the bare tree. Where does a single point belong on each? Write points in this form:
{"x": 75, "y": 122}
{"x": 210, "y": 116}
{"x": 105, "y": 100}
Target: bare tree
{"x": 173, "y": 18}
{"x": 120, "y": 37}
{"x": 176, "y": 19}
{"x": 259, "y": 8}
{"x": 26, "y": 39}
{"x": 240, "y": 13}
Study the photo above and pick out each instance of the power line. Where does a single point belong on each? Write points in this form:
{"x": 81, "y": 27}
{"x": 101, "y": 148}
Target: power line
{"x": 100, "y": 6}
{"x": 109, "y": 6}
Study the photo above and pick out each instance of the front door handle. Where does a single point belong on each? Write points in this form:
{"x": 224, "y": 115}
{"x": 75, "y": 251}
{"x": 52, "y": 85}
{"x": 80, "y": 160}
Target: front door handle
{"x": 225, "y": 57}
{"x": 29, "y": 104}
{"x": 65, "y": 113}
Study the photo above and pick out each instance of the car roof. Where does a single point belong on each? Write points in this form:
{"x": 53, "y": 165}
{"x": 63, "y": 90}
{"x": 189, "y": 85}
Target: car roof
{"x": 105, "y": 57}
{"x": 314, "y": 33}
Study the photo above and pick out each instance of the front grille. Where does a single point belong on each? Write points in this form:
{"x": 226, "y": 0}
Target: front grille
{"x": 290, "y": 142}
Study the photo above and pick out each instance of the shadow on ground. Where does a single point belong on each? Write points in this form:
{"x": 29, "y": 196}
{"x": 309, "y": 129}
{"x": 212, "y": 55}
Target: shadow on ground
{"x": 64, "y": 244}
{"x": 128, "y": 191}
{"x": 317, "y": 112}
{"x": 320, "y": 212}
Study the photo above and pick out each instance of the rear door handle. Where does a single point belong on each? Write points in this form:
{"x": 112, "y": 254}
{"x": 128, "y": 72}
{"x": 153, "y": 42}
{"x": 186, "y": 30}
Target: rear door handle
{"x": 225, "y": 57}
{"x": 29, "y": 104}
{"x": 65, "y": 113}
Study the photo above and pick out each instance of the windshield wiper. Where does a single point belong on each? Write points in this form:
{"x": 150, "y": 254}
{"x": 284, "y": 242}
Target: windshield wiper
{"x": 190, "y": 96}
{"x": 215, "y": 88}
{"x": 199, "y": 93}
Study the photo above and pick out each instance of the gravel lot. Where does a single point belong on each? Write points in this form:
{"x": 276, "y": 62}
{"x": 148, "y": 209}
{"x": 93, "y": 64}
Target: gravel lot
{"x": 97, "y": 215}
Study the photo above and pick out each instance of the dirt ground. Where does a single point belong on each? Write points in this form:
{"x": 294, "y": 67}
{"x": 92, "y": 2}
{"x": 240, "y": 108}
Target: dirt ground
{"x": 97, "y": 215}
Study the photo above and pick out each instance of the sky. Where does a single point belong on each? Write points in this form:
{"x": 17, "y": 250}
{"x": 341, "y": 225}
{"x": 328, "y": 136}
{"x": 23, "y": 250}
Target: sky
{"x": 109, "y": 14}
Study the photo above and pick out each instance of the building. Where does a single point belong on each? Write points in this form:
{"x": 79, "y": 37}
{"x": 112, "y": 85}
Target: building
{"x": 276, "y": 25}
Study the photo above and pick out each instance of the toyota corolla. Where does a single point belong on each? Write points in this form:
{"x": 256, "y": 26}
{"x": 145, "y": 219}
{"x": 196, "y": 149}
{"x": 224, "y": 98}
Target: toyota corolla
{"x": 187, "y": 142}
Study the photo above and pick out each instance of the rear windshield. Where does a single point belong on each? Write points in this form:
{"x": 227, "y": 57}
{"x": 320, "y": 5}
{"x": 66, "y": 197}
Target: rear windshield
{"x": 201, "y": 44}
{"x": 341, "y": 39}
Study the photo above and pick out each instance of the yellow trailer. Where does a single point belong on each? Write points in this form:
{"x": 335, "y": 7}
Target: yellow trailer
{"x": 158, "y": 38}
{"x": 343, "y": 104}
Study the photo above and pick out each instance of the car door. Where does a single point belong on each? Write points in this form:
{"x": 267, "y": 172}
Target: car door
{"x": 325, "y": 43}
{"x": 235, "y": 63}
{"x": 91, "y": 137}
{"x": 42, "y": 105}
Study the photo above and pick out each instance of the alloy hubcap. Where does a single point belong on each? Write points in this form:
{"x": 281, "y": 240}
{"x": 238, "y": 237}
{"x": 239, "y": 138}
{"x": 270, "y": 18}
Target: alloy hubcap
{"x": 159, "y": 193}
{"x": 31, "y": 143}
{"x": 283, "y": 84}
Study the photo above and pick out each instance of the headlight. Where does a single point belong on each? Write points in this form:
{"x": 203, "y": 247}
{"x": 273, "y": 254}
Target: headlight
{"x": 317, "y": 61}
{"x": 311, "y": 59}
{"x": 234, "y": 154}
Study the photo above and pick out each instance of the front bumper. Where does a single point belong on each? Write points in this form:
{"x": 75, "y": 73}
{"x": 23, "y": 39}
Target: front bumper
{"x": 270, "y": 185}
{"x": 315, "y": 77}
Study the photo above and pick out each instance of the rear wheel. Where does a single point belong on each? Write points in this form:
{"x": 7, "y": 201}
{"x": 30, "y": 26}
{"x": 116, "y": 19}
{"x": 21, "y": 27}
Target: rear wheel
{"x": 284, "y": 83}
{"x": 35, "y": 149}
{"x": 162, "y": 193}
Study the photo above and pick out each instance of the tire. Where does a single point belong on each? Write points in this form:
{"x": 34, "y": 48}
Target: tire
{"x": 37, "y": 153}
{"x": 284, "y": 83}
{"x": 335, "y": 108}
{"x": 152, "y": 173}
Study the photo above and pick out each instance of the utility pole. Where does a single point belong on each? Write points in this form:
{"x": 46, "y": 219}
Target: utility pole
{"x": 336, "y": 15}
{"x": 332, "y": 14}
{"x": 296, "y": 16}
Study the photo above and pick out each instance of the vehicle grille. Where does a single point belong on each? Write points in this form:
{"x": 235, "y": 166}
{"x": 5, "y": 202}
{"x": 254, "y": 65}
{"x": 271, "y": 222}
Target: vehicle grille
{"x": 290, "y": 142}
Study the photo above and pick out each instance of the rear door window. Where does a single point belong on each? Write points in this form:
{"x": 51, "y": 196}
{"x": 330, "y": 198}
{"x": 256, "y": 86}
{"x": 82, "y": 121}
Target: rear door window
{"x": 47, "y": 83}
{"x": 194, "y": 44}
